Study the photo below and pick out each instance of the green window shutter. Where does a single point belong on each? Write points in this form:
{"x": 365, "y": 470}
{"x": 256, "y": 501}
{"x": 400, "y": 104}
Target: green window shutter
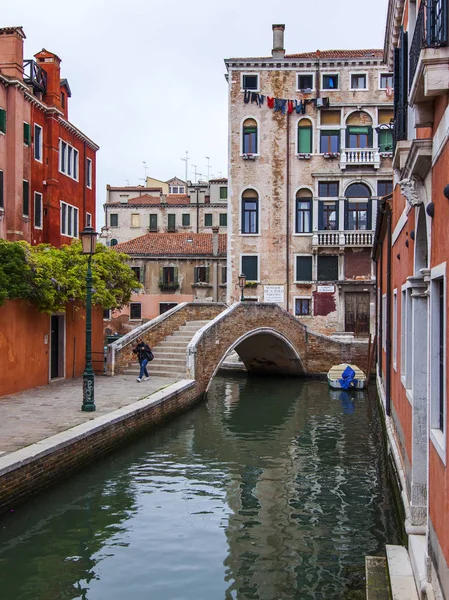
{"x": 161, "y": 275}
{"x": 385, "y": 141}
{"x": 208, "y": 220}
{"x": 1, "y": 190}
{"x": 223, "y": 219}
{"x": 303, "y": 268}
{"x": 142, "y": 274}
{"x": 27, "y": 134}
{"x": 2, "y": 120}
{"x": 195, "y": 274}
{"x": 186, "y": 220}
{"x": 249, "y": 267}
{"x": 223, "y": 193}
{"x": 304, "y": 140}
{"x": 153, "y": 222}
{"x": 175, "y": 274}
{"x": 25, "y": 198}
{"x": 207, "y": 274}
{"x": 171, "y": 222}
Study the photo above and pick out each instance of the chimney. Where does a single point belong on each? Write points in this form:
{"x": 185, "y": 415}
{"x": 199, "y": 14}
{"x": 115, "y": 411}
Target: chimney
{"x": 51, "y": 64}
{"x": 278, "y": 41}
{"x": 11, "y": 52}
{"x": 215, "y": 240}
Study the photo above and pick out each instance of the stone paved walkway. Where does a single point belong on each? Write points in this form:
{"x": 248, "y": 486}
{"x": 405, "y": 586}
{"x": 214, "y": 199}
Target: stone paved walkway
{"x": 33, "y": 415}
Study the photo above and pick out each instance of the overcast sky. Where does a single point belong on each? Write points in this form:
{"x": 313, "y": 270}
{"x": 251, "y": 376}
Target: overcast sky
{"x": 147, "y": 76}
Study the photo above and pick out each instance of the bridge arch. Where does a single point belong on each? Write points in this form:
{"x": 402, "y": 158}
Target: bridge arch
{"x": 266, "y": 351}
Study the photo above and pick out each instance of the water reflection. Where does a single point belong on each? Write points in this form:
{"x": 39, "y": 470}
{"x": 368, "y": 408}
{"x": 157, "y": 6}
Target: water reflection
{"x": 270, "y": 489}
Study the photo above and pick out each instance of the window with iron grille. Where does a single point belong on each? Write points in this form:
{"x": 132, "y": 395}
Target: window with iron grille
{"x": 303, "y": 268}
{"x": 135, "y": 311}
{"x": 327, "y": 268}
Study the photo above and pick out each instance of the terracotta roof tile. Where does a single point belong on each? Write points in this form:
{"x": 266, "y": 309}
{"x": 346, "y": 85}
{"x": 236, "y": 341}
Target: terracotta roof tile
{"x": 144, "y": 199}
{"x": 178, "y": 199}
{"x": 368, "y": 53}
{"x": 173, "y": 244}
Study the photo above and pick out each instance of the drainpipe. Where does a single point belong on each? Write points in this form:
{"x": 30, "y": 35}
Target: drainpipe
{"x": 380, "y": 310}
{"x": 388, "y": 319}
{"x": 215, "y": 262}
{"x": 84, "y": 189}
{"x": 197, "y": 210}
{"x": 318, "y": 75}
{"x": 287, "y": 242}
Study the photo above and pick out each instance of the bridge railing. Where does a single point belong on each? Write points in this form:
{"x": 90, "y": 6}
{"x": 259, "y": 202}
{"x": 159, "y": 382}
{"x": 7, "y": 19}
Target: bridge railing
{"x": 119, "y": 353}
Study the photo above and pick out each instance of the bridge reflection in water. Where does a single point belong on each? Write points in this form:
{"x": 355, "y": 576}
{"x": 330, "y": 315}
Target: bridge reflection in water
{"x": 270, "y": 489}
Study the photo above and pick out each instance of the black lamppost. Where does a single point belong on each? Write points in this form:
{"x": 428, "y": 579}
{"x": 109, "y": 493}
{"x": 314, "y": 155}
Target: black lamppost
{"x": 242, "y": 282}
{"x": 89, "y": 242}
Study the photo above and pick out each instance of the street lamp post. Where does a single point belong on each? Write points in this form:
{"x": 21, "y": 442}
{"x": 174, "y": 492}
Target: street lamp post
{"x": 242, "y": 282}
{"x": 89, "y": 242}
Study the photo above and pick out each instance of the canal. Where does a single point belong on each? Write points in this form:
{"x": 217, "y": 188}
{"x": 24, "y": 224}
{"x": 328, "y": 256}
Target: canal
{"x": 272, "y": 489}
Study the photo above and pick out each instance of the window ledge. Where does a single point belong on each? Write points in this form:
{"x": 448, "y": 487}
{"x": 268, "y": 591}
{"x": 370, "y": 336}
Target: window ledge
{"x": 202, "y": 284}
{"x": 304, "y": 156}
{"x": 250, "y": 156}
{"x": 438, "y": 440}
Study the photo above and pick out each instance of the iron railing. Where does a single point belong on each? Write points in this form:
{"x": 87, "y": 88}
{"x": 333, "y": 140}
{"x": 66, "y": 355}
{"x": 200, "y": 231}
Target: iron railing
{"x": 34, "y": 75}
{"x": 431, "y": 30}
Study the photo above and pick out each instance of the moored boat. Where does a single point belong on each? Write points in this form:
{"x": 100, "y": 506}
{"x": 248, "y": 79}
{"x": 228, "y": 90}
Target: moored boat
{"x": 340, "y": 377}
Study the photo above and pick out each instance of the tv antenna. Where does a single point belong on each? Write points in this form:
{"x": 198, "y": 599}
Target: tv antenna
{"x": 186, "y": 160}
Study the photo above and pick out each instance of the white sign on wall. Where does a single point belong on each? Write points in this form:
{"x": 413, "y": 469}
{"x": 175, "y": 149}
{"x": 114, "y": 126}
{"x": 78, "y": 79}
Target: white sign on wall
{"x": 326, "y": 288}
{"x": 273, "y": 293}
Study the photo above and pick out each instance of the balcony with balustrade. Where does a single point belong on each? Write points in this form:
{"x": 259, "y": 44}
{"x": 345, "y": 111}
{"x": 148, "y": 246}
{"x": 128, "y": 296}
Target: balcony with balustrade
{"x": 345, "y": 239}
{"x": 359, "y": 157}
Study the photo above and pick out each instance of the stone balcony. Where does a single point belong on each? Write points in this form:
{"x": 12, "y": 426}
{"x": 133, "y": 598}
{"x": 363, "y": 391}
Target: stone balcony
{"x": 362, "y": 157}
{"x": 343, "y": 238}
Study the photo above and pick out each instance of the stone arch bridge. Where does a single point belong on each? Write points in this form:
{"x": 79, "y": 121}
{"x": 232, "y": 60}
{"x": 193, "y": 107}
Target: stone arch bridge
{"x": 268, "y": 339}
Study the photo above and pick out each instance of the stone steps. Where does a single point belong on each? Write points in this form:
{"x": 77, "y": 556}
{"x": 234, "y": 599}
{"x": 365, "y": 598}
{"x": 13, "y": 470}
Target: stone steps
{"x": 390, "y": 577}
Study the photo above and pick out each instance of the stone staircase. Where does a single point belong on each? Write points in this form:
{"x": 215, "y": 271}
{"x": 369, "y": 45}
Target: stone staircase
{"x": 170, "y": 355}
{"x": 390, "y": 577}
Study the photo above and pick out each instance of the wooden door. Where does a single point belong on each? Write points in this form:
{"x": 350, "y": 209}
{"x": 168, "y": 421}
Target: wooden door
{"x": 357, "y": 312}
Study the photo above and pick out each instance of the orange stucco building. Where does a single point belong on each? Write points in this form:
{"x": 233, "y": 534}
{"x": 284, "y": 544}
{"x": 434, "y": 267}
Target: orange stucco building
{"x": 411, "y": 252}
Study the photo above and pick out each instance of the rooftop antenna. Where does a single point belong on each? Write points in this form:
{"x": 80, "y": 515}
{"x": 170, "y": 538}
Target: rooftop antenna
{"x": 195, "y": 166}
{"x": 145, "y": 168}
{"x": 208, "y": 167}
{"x": 186, "y": 160}
{"x": 127, "y": 182}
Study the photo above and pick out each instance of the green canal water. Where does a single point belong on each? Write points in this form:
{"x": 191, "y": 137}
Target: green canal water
{"x": 272, "y": 489}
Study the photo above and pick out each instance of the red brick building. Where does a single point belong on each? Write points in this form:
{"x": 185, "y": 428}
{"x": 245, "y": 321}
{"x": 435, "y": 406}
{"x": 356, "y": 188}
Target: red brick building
{"x": 47, "y": 165}
{"x": 412, "y": 252}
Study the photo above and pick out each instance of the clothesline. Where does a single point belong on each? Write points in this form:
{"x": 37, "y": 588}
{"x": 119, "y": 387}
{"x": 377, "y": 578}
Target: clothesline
{"x": 283, "y": 105}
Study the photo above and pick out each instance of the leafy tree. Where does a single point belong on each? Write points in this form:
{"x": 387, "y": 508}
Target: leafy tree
{"x": 52, "y": 277}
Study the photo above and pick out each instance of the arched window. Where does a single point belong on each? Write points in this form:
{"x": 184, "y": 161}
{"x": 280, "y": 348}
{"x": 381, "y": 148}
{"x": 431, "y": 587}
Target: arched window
{"x": 250, "y": 212}
{"x": 359, "y": 130}
{"x": 358, "y": 207}
{"x": 303, "y": 211}
{"x": 113, "y": 242}
{"x": 304, "y": 136}
{"x": 249, "y": 135}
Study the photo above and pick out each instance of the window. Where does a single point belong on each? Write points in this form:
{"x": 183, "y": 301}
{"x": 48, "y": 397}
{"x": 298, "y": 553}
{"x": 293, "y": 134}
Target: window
{"x": 68, "y": 160}
{"x": 328, "y": 216}
{"x": 330, "y": 82}
{"x": 385, "y": 140}
{"x": 169, "y": 276}
{"x": 250, "y": 212}
{"x": 438, "y": 353}
{"x": 38, "y": 142}
{"x": 250, "y": 267}
{"x": 359, "y": 137}
{"x": 250, "y": 82}
{"x": 62, "y": 100}
{"x": 223, "y": 219}
{"x": 305, "y": 82}
{"x": 2, "y": 200}
{"x": 358, "y": 81}
{"x": 302, "y": 307}
{"x": 38, "y": 210}
{"x": 303, "y": 212}
{"x": 69, "y": 220}
{"x": 114, "y": 242}
{"x": 138, "y": 272}
{"x": 2, "y": 120}
{"x": 223, "y": 193}
{"x": 357, "y": 216}
{"x": 25, "y": 198}
{"x": 395, "y": 328}
{"x": 135, "y": 311}
{"x": 171, "y": 222}
{"x": 386, "y": 81}
{"x": 107, "y": 314}
{"x": 135, "y": 220}
{"x": 153, "y": 222}
{"x": 88, "y": 220}
{"x": 224, "y": 274}
{"x": 403, "y": 329}
{"x": 186, "y": 220}
{"x": 249, "y": 137}
{"x": 113, "y": 219}
{"x": 176, "y": 189}
{"x": 328, "y": 189}
{"x": 330, "y": 117}
{"x": 27, "y": 134}
{"x": 165, "y": 306}
{"x": 384, "y": 188}
{"x": 89, "y": 173}
{"x": 329, "y": 141}
{"x": 303, "y": 268}
{"x": 201, "y": 274}
{"x": 304, "y": 136}
{"x": 208, "y": 220}
{"x": 327, "y": 268}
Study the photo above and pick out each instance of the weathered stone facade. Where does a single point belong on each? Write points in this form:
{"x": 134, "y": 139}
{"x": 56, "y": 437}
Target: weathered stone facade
{"x": 284, "y": 171}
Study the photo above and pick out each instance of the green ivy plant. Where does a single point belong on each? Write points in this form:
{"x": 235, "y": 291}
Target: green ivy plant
{"x": 50, "y": 278}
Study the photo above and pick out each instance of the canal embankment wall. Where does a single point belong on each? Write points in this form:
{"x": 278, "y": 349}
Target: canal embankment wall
{"x": 26, "y": 472}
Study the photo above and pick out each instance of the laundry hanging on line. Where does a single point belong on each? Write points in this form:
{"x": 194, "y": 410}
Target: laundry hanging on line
{"x": 284, "y": 105}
